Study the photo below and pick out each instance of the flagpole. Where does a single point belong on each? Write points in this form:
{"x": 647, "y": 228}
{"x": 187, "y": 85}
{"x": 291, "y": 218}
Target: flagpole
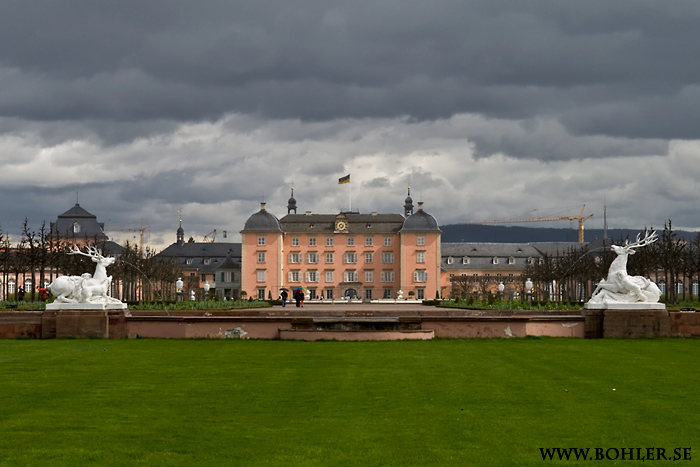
{"x": 346, "y": 179}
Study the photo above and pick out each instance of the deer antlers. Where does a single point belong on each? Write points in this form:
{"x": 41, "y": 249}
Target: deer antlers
{"x": 648, "y": 239}
{"x": 92, "y": 252}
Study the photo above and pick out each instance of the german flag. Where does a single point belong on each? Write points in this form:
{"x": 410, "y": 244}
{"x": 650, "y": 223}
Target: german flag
{"x": 345, "y": 179}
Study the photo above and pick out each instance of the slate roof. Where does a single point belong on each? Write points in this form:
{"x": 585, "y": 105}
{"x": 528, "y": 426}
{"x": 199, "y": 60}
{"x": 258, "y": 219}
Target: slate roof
{"x": 89, "y": 227}
{"x": 420, "y": 221}
{"x": 262, "y": 221}
{"x": 481, "y": 255}
{"x": 205, "y": 257}
{"x": 357, "y": 223}
{"x": 554, "y": 248}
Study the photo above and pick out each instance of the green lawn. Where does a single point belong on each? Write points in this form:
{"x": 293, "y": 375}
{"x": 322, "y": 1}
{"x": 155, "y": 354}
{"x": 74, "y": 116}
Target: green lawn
{"x": 262, "y": 403}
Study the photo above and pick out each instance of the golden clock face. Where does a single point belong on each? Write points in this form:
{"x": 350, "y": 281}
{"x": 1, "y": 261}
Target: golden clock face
{"x": 341, "y": 225}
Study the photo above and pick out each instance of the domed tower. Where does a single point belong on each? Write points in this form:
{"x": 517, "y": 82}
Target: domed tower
{"x": 180, "y": 235}
{"x": 262, "y": 221}
{"x": 261, "y": 250}
{"x": 292, "y": 204}
{"x": 420, "y": 268}
{"x": 420, "y": 222}
{"x": 408, "y": 204}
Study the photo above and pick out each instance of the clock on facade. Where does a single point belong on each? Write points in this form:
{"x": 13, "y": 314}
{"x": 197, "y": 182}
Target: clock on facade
{"x": 341, "y": 226}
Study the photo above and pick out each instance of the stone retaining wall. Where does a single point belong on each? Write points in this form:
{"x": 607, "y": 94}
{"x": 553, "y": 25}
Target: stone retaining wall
{"x": 273, "y": 323}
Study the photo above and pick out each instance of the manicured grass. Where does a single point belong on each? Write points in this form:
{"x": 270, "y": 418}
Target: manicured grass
{"x": 273, "y": 403}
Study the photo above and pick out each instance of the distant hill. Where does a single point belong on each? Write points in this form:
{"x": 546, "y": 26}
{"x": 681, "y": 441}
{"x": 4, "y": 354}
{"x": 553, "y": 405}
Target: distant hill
{"x": 515, "y": 234}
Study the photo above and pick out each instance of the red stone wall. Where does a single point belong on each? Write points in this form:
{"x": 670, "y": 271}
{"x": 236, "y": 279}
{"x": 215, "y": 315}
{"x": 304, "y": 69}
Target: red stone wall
{"x": 684, "y": 324}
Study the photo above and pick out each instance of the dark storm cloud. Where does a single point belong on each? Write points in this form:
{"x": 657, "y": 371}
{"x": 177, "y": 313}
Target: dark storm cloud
{"x": 623, "y": 68}
{"x": 147, "y": 109}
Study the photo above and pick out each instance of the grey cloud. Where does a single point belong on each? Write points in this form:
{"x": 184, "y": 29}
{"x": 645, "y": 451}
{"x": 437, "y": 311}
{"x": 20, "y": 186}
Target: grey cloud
{"x": 212, "y": 105}
{"x": 326, "y": 60}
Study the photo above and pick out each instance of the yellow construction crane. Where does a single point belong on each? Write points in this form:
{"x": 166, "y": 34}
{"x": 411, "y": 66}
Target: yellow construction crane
{"x": 210, "y": 237}
{"x": 580, "y": 218}
{"x": 141, "y": 229}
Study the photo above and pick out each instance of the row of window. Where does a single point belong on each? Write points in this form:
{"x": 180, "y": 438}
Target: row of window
{"x": 350, "y": 241}
{"x": 494, "y": 260}
{"x": 487, "y": 277}
{"x": 348, "y": 276}
{"x": 11, "y": 285}
{"x": 348, "y": 258}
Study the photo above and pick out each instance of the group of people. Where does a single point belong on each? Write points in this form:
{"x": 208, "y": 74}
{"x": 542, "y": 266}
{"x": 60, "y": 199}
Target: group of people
{"x": 297, "y": 295}
{"x": 21, "y": 293}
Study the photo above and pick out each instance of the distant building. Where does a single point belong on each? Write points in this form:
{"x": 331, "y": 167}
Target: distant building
{"x": 480, "y": 267}
{"x": 75, "y": 227}
{"x": 80, "y": 226}
{"x": 216, "y": 263}
{"x": 368, "y": 256}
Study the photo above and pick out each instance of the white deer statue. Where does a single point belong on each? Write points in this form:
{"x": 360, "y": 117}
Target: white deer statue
{"x": 93, "y": 289}
{"x": 620, "y": 287}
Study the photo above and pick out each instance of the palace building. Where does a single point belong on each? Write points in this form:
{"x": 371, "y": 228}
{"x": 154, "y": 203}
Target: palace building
{"x": 348, "y": 254}
{"x": 214, "y": 263}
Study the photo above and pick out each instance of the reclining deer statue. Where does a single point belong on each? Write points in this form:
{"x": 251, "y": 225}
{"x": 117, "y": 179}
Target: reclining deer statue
{"x": 619, "y": 287}
{"x": 85, "y": 288}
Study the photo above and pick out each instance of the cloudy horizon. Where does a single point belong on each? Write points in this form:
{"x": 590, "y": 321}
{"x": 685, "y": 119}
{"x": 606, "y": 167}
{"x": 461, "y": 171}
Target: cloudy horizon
{"x": 151, "y": 110}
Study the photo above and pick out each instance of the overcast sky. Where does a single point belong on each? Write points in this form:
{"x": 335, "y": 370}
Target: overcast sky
{"x": 487, "y": 109}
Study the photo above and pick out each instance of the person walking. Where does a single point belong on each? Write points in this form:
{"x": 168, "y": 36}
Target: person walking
{"x": 284, "y": 296}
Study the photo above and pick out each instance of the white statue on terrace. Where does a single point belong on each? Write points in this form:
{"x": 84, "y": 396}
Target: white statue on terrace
{"x": 620, "y": 287}
{"x": 87, "y": 288}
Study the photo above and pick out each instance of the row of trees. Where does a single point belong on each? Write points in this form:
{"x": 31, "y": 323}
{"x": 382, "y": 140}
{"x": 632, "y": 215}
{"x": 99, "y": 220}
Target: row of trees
{"x": 40, "y": 256}
{"x": 572, "y": 275}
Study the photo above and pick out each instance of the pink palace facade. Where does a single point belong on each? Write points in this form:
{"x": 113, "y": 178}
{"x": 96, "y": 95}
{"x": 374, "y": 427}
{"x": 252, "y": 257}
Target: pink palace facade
{"x": 367, "y": 256}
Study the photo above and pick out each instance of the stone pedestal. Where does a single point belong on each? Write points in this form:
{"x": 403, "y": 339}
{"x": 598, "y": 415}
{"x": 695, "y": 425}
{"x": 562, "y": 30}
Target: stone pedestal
{"x": 636, "y": 323}
{"x": 593, "y": 325}
{"x": 84, "y": 323}
{"x": 627, "y": 320}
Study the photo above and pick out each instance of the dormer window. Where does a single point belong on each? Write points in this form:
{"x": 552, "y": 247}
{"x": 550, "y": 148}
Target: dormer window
{"x": 76, "y": 227}
{"x": 450, "y": 260}
{"x": 189, "y": 261}
{"x": 465, "y": 260}
{"x": 495, "y": 260}
{"x": 511, "y": 260}
{"x": 207, "y": 261}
